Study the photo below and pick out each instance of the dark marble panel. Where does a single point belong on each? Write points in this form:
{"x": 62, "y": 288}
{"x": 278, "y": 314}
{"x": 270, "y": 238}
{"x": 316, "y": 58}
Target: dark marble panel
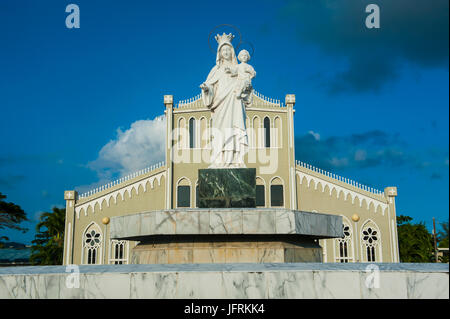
{"x": 227, "y": 187}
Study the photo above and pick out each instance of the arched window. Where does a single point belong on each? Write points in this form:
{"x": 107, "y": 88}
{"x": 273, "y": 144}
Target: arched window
{"x": 203, "y": 133}
{"x": 92, "y": 245}
{"x": 183, "y": 193}
{"x": 260, "y": 192}
{"x": 182, "y": 133}
{"x": 278, "y": 135}
{"x": 118, "y": 252}
{"x": 266, "y": 132}
{"x": 276, "y": 193}
{"x": 371, "y": 242}
{"x": 344, "y": 245}
{"x": 247, "y": 125}
{"x": 255, "y": 137}
{"x": 192, "y": 133}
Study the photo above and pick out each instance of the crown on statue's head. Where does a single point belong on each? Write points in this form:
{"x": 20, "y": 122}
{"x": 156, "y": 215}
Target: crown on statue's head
{"x": 224, "y": 38}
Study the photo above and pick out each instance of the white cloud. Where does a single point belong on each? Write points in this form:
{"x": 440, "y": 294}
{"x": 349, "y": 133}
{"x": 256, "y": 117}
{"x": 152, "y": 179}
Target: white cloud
{"x": 316, "y": 135}
{"x": 142, "y": 145}
{"x": 339, "y": 162}
{"x": 360, "y": 155}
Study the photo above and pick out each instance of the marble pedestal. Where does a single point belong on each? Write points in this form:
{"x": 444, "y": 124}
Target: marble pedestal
{"x": 227, "y": 187}
{"x": 226, "y": 235}
{"x": 226, "y": 249}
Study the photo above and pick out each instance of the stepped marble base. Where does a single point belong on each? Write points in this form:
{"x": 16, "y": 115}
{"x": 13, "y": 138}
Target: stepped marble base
{"x": 230, "y": 221}
{"x": 226, "y": 235}
{"x": 226, "y": 249}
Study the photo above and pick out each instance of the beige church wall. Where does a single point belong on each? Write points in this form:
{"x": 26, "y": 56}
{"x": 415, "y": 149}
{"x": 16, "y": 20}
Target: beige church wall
{"x": 270, "y": 163}
{"x": 186, "y": 161}
{"x": 273, "y": 166}
{"x": 186, "y": 174}
{"x": 152, "y": 198}
{"x": 317, "y": 200}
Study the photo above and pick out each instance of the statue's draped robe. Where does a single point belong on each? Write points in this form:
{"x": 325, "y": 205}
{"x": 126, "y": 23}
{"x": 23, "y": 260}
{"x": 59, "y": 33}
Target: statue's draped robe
{"x": 228, "y": 118}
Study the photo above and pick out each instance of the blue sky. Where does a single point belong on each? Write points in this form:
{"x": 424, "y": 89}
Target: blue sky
{"x": 378, "y": 98}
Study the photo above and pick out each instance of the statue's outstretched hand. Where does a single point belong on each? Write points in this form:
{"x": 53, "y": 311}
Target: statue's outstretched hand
{"x": 204, "y": 87}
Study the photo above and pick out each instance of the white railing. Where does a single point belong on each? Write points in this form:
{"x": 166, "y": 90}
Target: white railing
{"x": 340, "y": 178}
{"x": 121, "y": 180}
{"x": 188, "y": 103}
{"x": 194, "y": 101}
{"x": 270, "y": 101}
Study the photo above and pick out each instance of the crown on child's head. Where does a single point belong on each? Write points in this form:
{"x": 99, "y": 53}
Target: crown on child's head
{"x": 224, "y": 38}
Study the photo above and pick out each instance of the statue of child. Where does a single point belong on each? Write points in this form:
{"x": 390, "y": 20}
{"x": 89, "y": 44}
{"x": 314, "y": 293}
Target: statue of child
{"x": 245, "y": 74}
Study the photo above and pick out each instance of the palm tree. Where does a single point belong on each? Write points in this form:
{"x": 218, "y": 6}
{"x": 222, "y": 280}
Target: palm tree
{"x": 48, "y": 245}
{"x": 414, "y": 240}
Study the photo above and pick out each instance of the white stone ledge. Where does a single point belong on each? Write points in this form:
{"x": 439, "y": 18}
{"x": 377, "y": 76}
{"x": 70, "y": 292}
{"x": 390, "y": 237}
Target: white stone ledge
{"x": 226, "y": 221}
{"x": 228, "y": 281}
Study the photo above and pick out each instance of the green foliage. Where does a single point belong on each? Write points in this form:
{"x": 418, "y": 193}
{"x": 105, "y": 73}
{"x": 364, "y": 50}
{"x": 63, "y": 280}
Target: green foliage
{"x": 2, "y": 245}
{"x": 11, "y": 215}
{"x": 402, "y": 219}
{"x": 442, "y": 237}
{"x": 415, "y": 241}
{"x": 444, "y": 259}
{"x": 48, "y": 245}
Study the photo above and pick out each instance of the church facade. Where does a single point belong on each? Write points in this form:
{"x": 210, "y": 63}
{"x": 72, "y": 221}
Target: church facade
{"x": 368, "y": 215}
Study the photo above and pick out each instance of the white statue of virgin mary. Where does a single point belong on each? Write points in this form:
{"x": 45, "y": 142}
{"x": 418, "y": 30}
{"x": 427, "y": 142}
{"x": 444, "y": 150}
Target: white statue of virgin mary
{"x": 220, "y": 94}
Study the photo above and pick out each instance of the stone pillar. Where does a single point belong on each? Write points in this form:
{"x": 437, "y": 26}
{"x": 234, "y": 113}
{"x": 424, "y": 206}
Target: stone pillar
{"x": 390, "y": 193}
{"x": 70, "y": 198}
{"x": 168, "y": 102}
{"x": 290, "y": 102}
{"x": 356, "y": 237}
{"x": 106, "y": 240}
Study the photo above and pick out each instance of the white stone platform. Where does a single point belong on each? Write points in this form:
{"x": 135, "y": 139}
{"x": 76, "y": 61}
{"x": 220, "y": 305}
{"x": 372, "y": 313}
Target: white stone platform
{"x": 229, "y": 281}
{"x": 229, "y": 221}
